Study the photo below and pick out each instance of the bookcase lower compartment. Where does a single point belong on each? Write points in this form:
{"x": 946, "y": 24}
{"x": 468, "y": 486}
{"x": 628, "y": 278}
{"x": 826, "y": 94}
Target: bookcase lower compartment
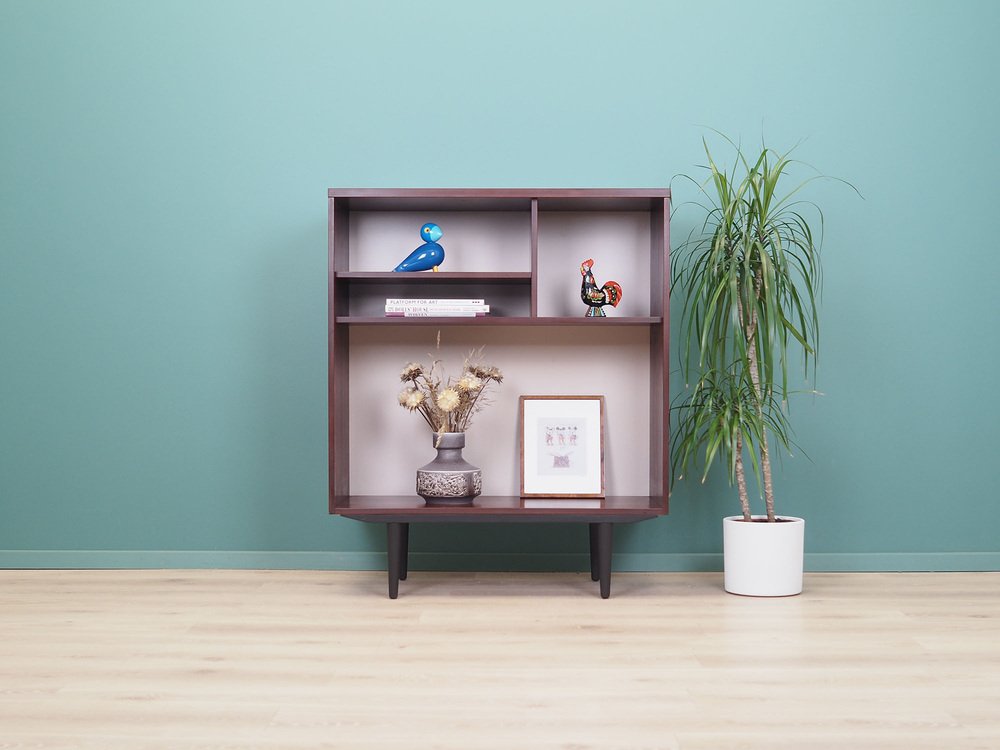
{"x": 387, "y": 442}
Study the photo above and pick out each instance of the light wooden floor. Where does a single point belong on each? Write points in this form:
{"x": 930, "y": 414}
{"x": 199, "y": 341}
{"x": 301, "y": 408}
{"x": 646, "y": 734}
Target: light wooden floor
{"x": 308, "y": 659}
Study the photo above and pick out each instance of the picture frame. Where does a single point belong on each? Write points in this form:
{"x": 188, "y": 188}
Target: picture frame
{"x": 562, "y": 446}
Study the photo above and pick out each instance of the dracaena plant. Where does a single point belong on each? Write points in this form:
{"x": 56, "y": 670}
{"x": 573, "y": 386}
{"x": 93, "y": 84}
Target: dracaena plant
{"x": 748, "y": 279}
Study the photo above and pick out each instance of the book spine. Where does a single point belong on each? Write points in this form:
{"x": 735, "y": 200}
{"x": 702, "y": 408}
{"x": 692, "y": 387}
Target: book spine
{"x": 437, "y": 308}
{"x": 419, "y": 301}
{"x": 436, "y": 314}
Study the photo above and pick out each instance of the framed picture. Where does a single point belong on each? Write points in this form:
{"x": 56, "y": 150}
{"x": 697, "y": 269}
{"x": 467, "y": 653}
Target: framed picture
{"x": 562, "y": 446}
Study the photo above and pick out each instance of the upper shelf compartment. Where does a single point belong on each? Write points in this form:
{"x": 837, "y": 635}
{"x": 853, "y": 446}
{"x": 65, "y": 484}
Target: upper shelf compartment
{"x": 518, "y": 248}
{"x": 486, "y": 242}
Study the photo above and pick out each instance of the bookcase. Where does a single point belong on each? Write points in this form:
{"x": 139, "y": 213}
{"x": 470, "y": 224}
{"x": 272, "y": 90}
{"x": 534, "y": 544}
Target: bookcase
{"x": 520, "y": 249}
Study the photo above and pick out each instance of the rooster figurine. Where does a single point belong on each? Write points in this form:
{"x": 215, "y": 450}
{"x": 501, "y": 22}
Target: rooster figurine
{"x": 597, "y": 297}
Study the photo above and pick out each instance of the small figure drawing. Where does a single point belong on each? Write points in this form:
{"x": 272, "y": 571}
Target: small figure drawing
{"x": 427, "y": 256}
{"x": 562, "y": 437}
{"x": 572, "y": 437}
{"x": 597, "y": 297}
{"x": 560, "y": 462}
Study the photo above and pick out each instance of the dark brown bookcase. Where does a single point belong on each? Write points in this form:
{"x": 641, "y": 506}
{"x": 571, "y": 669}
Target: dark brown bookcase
{"x": 517, "y": 290}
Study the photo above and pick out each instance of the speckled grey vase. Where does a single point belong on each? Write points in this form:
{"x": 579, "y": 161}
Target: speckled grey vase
{"x": 449, "y": 479}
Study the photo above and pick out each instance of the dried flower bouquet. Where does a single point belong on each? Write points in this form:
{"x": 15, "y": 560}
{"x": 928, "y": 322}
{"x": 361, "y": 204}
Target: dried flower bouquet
{"x": 447, "y": 404}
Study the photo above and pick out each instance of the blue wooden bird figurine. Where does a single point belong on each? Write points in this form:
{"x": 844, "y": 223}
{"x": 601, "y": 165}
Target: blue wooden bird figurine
{"x": 428, "y": 255}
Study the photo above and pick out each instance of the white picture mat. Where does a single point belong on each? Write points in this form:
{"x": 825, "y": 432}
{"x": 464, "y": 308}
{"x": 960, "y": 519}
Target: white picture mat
{"x": 574, "y": 503}
{"x": 582, "y": 473}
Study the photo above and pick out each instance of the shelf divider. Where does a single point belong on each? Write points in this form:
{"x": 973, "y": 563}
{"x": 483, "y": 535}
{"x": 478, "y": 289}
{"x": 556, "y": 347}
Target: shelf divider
{"x": 534, "y": 257}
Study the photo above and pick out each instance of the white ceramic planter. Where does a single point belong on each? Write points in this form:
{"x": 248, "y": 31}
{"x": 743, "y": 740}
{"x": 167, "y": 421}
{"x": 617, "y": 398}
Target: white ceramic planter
{"x": 763, "y": 559}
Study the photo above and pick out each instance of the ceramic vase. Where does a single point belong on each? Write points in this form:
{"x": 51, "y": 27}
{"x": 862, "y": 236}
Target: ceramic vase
{"x": 449, "y": 479}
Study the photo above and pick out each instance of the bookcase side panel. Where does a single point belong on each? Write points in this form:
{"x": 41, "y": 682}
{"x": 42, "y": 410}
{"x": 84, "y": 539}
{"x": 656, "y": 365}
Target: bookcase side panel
{"x": 659, "y": 352}
{"x": 338, "y": 370}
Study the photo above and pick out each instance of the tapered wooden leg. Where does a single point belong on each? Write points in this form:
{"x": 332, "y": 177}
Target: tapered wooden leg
{"x": 404, "y": 561}
{"x": 394, "y": 549}
{"x": 593, "y": 552}
{"x": 605, "y": 537}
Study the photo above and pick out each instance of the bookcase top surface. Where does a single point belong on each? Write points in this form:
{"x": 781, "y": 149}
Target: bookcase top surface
{"x": 500, "y": 199}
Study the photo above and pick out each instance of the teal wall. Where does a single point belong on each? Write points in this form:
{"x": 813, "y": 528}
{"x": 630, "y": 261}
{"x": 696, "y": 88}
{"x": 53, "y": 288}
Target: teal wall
{"x": 163, "y": 169}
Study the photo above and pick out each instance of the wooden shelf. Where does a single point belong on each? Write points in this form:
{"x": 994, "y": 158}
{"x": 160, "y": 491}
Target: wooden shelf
{"x": 507, "y": 508}
{"x": 500, "y": 199}
{"x": 497, "y": 320}
{"x": 441, "y": 277}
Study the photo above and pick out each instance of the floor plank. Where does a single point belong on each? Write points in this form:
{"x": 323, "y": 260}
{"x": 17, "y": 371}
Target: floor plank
{"x": 317, "y": 659}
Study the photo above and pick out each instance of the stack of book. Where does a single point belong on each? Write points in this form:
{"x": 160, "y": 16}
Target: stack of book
{"x": 401, "y": 307}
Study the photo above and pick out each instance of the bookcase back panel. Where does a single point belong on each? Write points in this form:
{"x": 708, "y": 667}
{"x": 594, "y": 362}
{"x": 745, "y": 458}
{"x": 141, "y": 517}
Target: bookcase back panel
{"x": 388, "y": 443}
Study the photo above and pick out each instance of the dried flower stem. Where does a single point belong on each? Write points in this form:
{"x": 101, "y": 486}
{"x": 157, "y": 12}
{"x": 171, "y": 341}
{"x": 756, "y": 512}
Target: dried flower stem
{"x": 447, "y": 405}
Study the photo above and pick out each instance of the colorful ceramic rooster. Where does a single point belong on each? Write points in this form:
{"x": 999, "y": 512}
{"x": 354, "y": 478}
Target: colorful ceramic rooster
{"x": 597, "y": 297}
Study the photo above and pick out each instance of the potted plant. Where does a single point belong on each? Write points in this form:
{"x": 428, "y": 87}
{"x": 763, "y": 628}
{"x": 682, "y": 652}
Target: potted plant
{"x": 748, "y": 279}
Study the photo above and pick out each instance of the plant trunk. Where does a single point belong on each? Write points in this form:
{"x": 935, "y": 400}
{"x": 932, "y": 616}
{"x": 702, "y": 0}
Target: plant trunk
{"x": 765, "y": 465}
{"x": 765, "y": 456}
{"x": 741, "y": 481}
